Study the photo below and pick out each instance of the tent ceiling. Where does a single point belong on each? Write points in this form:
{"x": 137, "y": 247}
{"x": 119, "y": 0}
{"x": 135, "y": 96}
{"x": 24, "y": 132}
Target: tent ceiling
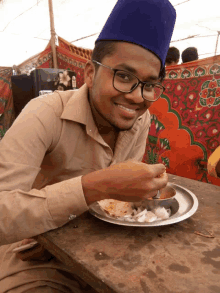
{"x": 25, "y": 25}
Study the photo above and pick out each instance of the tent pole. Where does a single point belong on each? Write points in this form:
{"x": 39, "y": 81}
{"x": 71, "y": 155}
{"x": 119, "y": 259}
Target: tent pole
{"x": 53, "y": 35}
{"x": 217, "y": 44}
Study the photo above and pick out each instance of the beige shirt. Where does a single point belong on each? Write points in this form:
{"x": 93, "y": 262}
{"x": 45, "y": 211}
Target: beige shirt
{"x": 43, "y": 156}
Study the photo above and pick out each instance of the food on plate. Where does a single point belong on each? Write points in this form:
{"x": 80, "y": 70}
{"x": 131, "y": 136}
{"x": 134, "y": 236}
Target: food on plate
{"x": 130, "y": 212}
{"x": 144, "y": 211}
{"x": 116, "y": 208}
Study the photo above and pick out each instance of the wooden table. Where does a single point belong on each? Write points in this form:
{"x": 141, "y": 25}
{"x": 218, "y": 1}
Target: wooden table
{"x": 180, "y": 258}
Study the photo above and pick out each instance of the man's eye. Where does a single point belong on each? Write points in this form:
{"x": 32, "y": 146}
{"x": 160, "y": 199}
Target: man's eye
{"x": 124, "y": 76}
{"x": 148, "y": 86}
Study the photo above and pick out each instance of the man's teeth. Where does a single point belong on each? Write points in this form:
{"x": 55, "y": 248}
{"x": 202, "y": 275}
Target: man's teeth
{"x": 127, "y": 109}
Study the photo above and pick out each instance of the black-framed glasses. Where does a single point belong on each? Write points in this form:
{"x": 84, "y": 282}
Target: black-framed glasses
{"x": 126, "y": 82}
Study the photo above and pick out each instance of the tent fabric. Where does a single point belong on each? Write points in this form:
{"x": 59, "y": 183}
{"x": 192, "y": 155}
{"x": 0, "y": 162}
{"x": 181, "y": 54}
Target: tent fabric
{"x": 41, "y": 60}
{"x": 67, "y": 61}
{"x": 72, "y": 58}
{"x": 83, "y": 53}
{"x": 185, "y": 127}
{"x": 69, "y": 57}
{"x": 25, "y": 25}
{"x": 7, "y": 116}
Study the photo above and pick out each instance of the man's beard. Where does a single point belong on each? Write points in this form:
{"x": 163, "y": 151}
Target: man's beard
{"x": 112, "y": 124}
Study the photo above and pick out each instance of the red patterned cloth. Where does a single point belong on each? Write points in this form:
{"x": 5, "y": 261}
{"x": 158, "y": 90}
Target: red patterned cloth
{"x": 68, "y": 56}
{"x": 185, "y": 126}
{"x": 70, "y": 61}
{"x": 41, "y": 60}
{"x": 6, "y": 100}
{"x": 77, "y": 51}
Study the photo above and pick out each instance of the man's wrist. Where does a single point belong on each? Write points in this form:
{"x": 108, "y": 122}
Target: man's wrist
{"x": 90, "y": 190}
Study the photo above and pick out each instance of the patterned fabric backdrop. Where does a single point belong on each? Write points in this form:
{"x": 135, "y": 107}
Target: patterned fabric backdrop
{"x": 76, "y": 51}
{"x": 185, "y": 126}
{"x": 69, "y": 57}
{"x": 73, "y": 58}
{"x": 41, "y": 60}
{"x": 6, "y": 100}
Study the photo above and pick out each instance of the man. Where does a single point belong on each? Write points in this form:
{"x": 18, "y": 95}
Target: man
{"x": 69, "y": 149}
{"x": 190, "y": 54}
{"x": 173, "y": 56}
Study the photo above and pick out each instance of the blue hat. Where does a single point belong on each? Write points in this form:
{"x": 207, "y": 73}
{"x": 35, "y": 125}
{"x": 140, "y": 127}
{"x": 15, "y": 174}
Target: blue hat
{"x": 148, "y": 23}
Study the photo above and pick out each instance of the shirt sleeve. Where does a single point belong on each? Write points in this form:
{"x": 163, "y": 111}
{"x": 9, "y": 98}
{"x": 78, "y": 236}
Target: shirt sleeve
{"x": 26, "y": 212}
{"x": 140, "y": 146}
{"x": 213, "y": 161}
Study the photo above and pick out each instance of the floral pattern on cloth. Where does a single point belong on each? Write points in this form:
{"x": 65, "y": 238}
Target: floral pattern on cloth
{"x": 66, "y": 60}
{"x": 77, "y": 51}
{"x": 185, "y": 127}
{"x": 65, "y": 80}
{"x": 41, "y": 60}
{"x": 6, "y": 100}
{"x": 157, "y": 146}
{"x": 69, "y": 57}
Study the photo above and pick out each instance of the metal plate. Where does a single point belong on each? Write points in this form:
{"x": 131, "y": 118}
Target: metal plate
{"x": 183, "y": 206}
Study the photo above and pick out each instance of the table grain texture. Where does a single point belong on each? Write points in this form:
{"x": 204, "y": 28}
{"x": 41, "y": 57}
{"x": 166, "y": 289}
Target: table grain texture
{"x": 179, "y": 258}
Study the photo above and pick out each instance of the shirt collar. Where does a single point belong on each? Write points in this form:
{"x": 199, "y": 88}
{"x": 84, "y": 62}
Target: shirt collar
{"x": 78, "y": 108}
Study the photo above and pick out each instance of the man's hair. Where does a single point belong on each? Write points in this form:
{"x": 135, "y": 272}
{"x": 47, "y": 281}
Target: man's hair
{"x": 190, "y": 54}
{"x": 173, "y": 55}
{"x": 107, "y": 48}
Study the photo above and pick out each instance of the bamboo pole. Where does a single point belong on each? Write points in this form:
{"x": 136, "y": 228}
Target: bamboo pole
{"x": 53, "y": 35}
{"x": 216, "y": 47}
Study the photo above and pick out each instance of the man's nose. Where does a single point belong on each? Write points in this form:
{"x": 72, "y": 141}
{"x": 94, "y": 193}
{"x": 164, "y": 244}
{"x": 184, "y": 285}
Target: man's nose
{"x": 135, "y": 95}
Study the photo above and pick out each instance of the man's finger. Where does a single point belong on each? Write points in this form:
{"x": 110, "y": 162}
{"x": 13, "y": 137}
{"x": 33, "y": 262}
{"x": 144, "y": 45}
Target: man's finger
{"x": 156, "y": 169}
{"x": 37, "y": 253}
{"x": 30, "y": 253}
{"x": 27, "y": 241}
{"x": 160, "y": 182}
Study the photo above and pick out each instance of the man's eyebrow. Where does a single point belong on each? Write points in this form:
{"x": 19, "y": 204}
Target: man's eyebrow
{"x": 133, "y": 70}
{"x": 128, "y": 68}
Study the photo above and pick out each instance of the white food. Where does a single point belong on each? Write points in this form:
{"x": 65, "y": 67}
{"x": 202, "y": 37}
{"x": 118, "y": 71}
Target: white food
{"x": 128, "y": 212}
{"x": 150, "y": 217}
{"x": 162, "y": 213}
{"x": 140, "y": 214}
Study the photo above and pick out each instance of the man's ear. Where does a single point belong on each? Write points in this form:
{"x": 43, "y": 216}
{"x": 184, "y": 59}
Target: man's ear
{"x": 89, "y": 73}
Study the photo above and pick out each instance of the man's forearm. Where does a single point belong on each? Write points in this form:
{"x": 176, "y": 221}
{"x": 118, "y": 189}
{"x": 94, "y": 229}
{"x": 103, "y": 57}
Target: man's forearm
{"x": 92, "y": 187}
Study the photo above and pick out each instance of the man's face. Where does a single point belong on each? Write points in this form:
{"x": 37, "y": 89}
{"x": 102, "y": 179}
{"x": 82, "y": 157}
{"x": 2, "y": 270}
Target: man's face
{"x": 121, "y": 110}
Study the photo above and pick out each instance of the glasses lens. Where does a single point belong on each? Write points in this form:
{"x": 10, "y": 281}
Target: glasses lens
{"x": 124, "y": 81}
{"x": 152, "y": 92}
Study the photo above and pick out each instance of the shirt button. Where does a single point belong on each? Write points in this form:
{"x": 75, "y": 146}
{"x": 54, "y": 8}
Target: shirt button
{"x": 71, "y": 217}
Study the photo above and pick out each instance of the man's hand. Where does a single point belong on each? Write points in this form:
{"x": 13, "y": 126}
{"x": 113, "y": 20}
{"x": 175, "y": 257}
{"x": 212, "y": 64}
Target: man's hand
{"x": 127, "y": 181}
{"x": 36, "y": 253}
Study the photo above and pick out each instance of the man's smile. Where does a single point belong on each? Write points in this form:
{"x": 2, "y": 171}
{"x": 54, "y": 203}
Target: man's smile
{"x": 127, "y": 110}
{"x": 127, "y": 107}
